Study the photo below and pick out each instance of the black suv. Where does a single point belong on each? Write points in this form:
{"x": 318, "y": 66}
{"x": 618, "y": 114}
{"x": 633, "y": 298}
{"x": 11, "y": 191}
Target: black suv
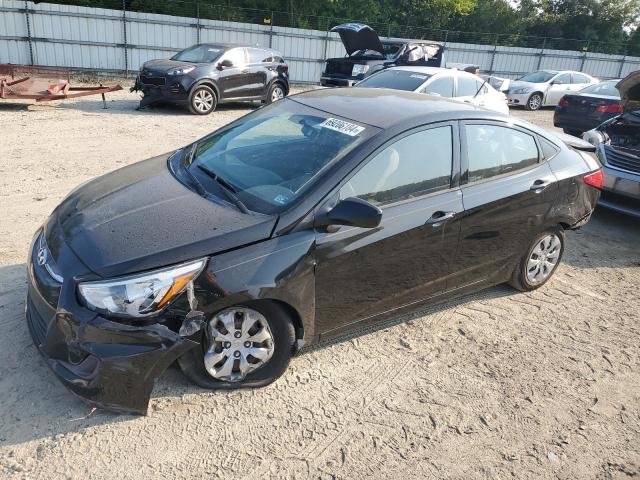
{"x": 204, "y": 75}
{"x": 367, "y": 54}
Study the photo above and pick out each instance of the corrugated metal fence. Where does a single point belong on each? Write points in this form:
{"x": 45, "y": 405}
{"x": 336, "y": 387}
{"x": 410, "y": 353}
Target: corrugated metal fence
{"x": 118, "y": 41}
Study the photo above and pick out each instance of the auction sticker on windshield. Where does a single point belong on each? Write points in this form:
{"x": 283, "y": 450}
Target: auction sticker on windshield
{"x": 341, "y": 126}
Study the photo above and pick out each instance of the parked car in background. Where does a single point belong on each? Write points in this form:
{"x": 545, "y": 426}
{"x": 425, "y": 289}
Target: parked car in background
{"x": 319, "y": 215}
{"x": 618, "y": 142}
{"x": 545, "y": 88}
{"x": 367, "y": 54}
{"x": 578, "y": 112}
{"x": 499, "y": 83}
{"x": 205, "y": 75}
{"x": 441, "y": 82}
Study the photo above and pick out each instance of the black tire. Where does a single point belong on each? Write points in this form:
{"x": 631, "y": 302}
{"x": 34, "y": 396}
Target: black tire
{"x": 534, "y": 102}
{"x": 284, "y": 338}
{"x": 199, "y": 100}
{"x": 519, "y": 280}
{"x": 574, "y": 133}
{"x": 271, "y": 94}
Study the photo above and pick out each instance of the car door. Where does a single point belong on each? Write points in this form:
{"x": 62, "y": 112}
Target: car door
{"x": 366, "y": 275}
{"x": 508, "y": 191}
{"x": 579, "y": 81}
{"x": 559, "y": 86}
{"x": 258, "y": 62}
{"x": 441, "y": 85}
{"x": 466, "y": 88}
{"x": 234, "y": 81}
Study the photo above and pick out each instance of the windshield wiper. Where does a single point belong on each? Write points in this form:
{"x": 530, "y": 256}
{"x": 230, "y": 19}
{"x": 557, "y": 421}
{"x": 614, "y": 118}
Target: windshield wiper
{"x": 228, "y": 189}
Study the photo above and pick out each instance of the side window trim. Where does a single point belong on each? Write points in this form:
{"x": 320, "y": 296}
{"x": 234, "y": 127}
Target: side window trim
{"x": 455, "y": 168}
{"x": 464, "y": 150}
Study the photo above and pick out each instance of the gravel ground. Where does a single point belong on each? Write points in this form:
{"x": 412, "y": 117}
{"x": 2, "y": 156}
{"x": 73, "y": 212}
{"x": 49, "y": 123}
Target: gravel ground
{"x": 497, "y": 385}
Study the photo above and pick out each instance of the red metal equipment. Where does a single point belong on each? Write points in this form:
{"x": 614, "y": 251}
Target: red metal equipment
{"x": 42, "y": 84}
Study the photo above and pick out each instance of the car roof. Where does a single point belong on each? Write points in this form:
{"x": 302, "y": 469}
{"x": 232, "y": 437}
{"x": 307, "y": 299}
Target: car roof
{"x": 384, "y": 107}
{"x": 424, "y": 70}
{"x": 225, "y": 45}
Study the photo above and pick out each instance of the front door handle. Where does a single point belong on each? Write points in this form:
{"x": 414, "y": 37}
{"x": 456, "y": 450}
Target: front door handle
{"x": 539, "y": 185}
{"x": 439, "y": 217}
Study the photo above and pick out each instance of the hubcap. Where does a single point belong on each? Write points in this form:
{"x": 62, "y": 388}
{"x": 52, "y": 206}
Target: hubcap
{"x": 534, "y": 102}
{"x": 203, "y": 100}
{"x": 543, "y": 259}
{"x": 240, "y": 341}
{"x": 277, "y": 94}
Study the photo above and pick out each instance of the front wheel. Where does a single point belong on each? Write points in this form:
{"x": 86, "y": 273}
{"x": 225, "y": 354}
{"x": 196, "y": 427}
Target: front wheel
{"x": 540, "y": 262}
{"x": 202, "y": 100}
{"x": 534, "y": 102}
{"x": 242, "y": 346}
{"x": 276, "y": 92}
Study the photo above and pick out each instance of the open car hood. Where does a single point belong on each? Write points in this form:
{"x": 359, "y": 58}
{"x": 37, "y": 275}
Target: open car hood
{"x": 629, "y": 88}
{"x": 356, "y": 36}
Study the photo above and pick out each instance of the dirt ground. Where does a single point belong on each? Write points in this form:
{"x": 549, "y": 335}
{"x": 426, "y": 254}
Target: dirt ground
{"x": 498, "y": 385}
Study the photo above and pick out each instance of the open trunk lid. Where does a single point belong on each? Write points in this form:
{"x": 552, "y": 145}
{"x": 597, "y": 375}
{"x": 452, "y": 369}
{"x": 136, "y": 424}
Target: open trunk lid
{"x": 357, "y": 36}
{"x": 629, "y": 88}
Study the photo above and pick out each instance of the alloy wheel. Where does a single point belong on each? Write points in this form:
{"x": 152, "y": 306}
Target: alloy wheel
{"x": 240, "y": 342}
{"x": 534, "y": 102}
{"x": 543, "y": 259}
{"x": 277, "y": 94}
{"x": 203, "y": 100}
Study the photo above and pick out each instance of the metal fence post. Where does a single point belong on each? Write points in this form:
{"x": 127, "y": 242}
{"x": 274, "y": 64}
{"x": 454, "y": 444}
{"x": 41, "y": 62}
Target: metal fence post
{"x": 544, "y": 44}
{"x": 28, "y": 20}
{"x": 271, "y": 31}
{"x": 198, "y": 24}
{"x": 326, "y": 38}
{"x": 584, "y": 56}
{"x": 493, "y": 55}
{"x": 124, "y": 31}
{"x": 623, "y": 60}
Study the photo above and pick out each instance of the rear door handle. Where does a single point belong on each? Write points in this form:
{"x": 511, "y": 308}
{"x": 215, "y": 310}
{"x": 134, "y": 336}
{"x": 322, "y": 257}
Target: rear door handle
{"x": 439, "y": 217}
{"x": 539, "y": 185}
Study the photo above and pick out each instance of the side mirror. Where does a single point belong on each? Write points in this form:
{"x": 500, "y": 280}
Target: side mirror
{"x": 225, "y": 64}
{"x": 353, "y": 212}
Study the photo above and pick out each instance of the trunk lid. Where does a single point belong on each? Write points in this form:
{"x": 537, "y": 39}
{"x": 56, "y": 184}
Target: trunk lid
{"x": 357, "y": 36}
{"x": 629, "y": 88}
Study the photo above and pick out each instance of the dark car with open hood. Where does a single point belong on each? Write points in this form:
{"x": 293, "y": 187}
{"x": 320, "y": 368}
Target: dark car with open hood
{"x": 367, "y": 54}
{"x": 320, "y": 215}
{"x": 205, "y": 75}
{"x": 618, "y": 146}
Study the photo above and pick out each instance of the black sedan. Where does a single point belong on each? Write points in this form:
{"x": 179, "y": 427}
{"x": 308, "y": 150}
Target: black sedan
{"x": 300, "y": 222}
{"x": 581, "y": 111}
{"x": 205, "y": 75}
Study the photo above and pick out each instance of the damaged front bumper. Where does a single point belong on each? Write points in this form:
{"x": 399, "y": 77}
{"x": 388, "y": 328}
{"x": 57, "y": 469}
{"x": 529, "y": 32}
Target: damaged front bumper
{"x": 168, "y": 89}
{"x": 106, "y": 363}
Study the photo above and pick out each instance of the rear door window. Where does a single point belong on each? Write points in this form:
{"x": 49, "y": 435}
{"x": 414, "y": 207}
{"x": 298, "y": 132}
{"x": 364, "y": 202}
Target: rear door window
{"x": 579, "y": 78}
{"x": 442, "y": 86}
{"x": 495, "y": 150}
{"x": 467, "y": 86}
{"x": 415, "y": 165}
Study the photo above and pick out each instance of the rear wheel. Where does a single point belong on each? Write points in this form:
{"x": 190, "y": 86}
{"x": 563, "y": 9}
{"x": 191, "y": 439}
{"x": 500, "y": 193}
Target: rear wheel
{"x": 534, "y": 102}
{"x": 540, "y": 262}
{"x": 202, "y": 100}
{"x": 242, "y": 346}
{"x": 276, "y": 92}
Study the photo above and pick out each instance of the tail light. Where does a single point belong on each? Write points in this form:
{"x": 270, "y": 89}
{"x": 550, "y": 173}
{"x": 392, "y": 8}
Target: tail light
{"x": 595, "y": 179}
{"x": 564, "y": 103}
{"x": 610, "y": 108}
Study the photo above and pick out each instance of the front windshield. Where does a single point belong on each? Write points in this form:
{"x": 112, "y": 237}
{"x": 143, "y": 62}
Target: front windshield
{"x": 199, "y": 54}
{"x": 538, "y": 77}
{"x": 272, "y": 156}
{"x": 604, "y": 88}
{"x": 396, "y": 79}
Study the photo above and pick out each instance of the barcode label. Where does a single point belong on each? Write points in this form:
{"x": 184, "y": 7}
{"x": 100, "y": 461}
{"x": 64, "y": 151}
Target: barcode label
{"x": 341, "y": 126}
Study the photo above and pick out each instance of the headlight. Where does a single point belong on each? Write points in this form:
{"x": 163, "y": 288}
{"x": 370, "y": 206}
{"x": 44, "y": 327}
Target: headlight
{"x": 520, "y": 91}
{"x": 140, "y": 295}
{"x": 594, "y": 137}
{"x": 359, "y": 69}
{"x": 180, "y": 71}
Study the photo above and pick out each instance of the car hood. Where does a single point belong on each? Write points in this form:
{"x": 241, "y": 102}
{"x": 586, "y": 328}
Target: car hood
{"x": 165, "y": 65}
{"x": 629, "y": 88}
{"x": 356, "y": 36}
{"x": 141, "y": 217}
{"x": 514, "y": 85}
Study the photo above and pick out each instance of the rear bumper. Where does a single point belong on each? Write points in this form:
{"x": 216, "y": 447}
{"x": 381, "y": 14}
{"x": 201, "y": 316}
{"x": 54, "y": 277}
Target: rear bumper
{"x": 575, "y": 121}
{"x": 621, "y": 191}
{"x": 107, "y": 364}
{"x": 334, "y": 81}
